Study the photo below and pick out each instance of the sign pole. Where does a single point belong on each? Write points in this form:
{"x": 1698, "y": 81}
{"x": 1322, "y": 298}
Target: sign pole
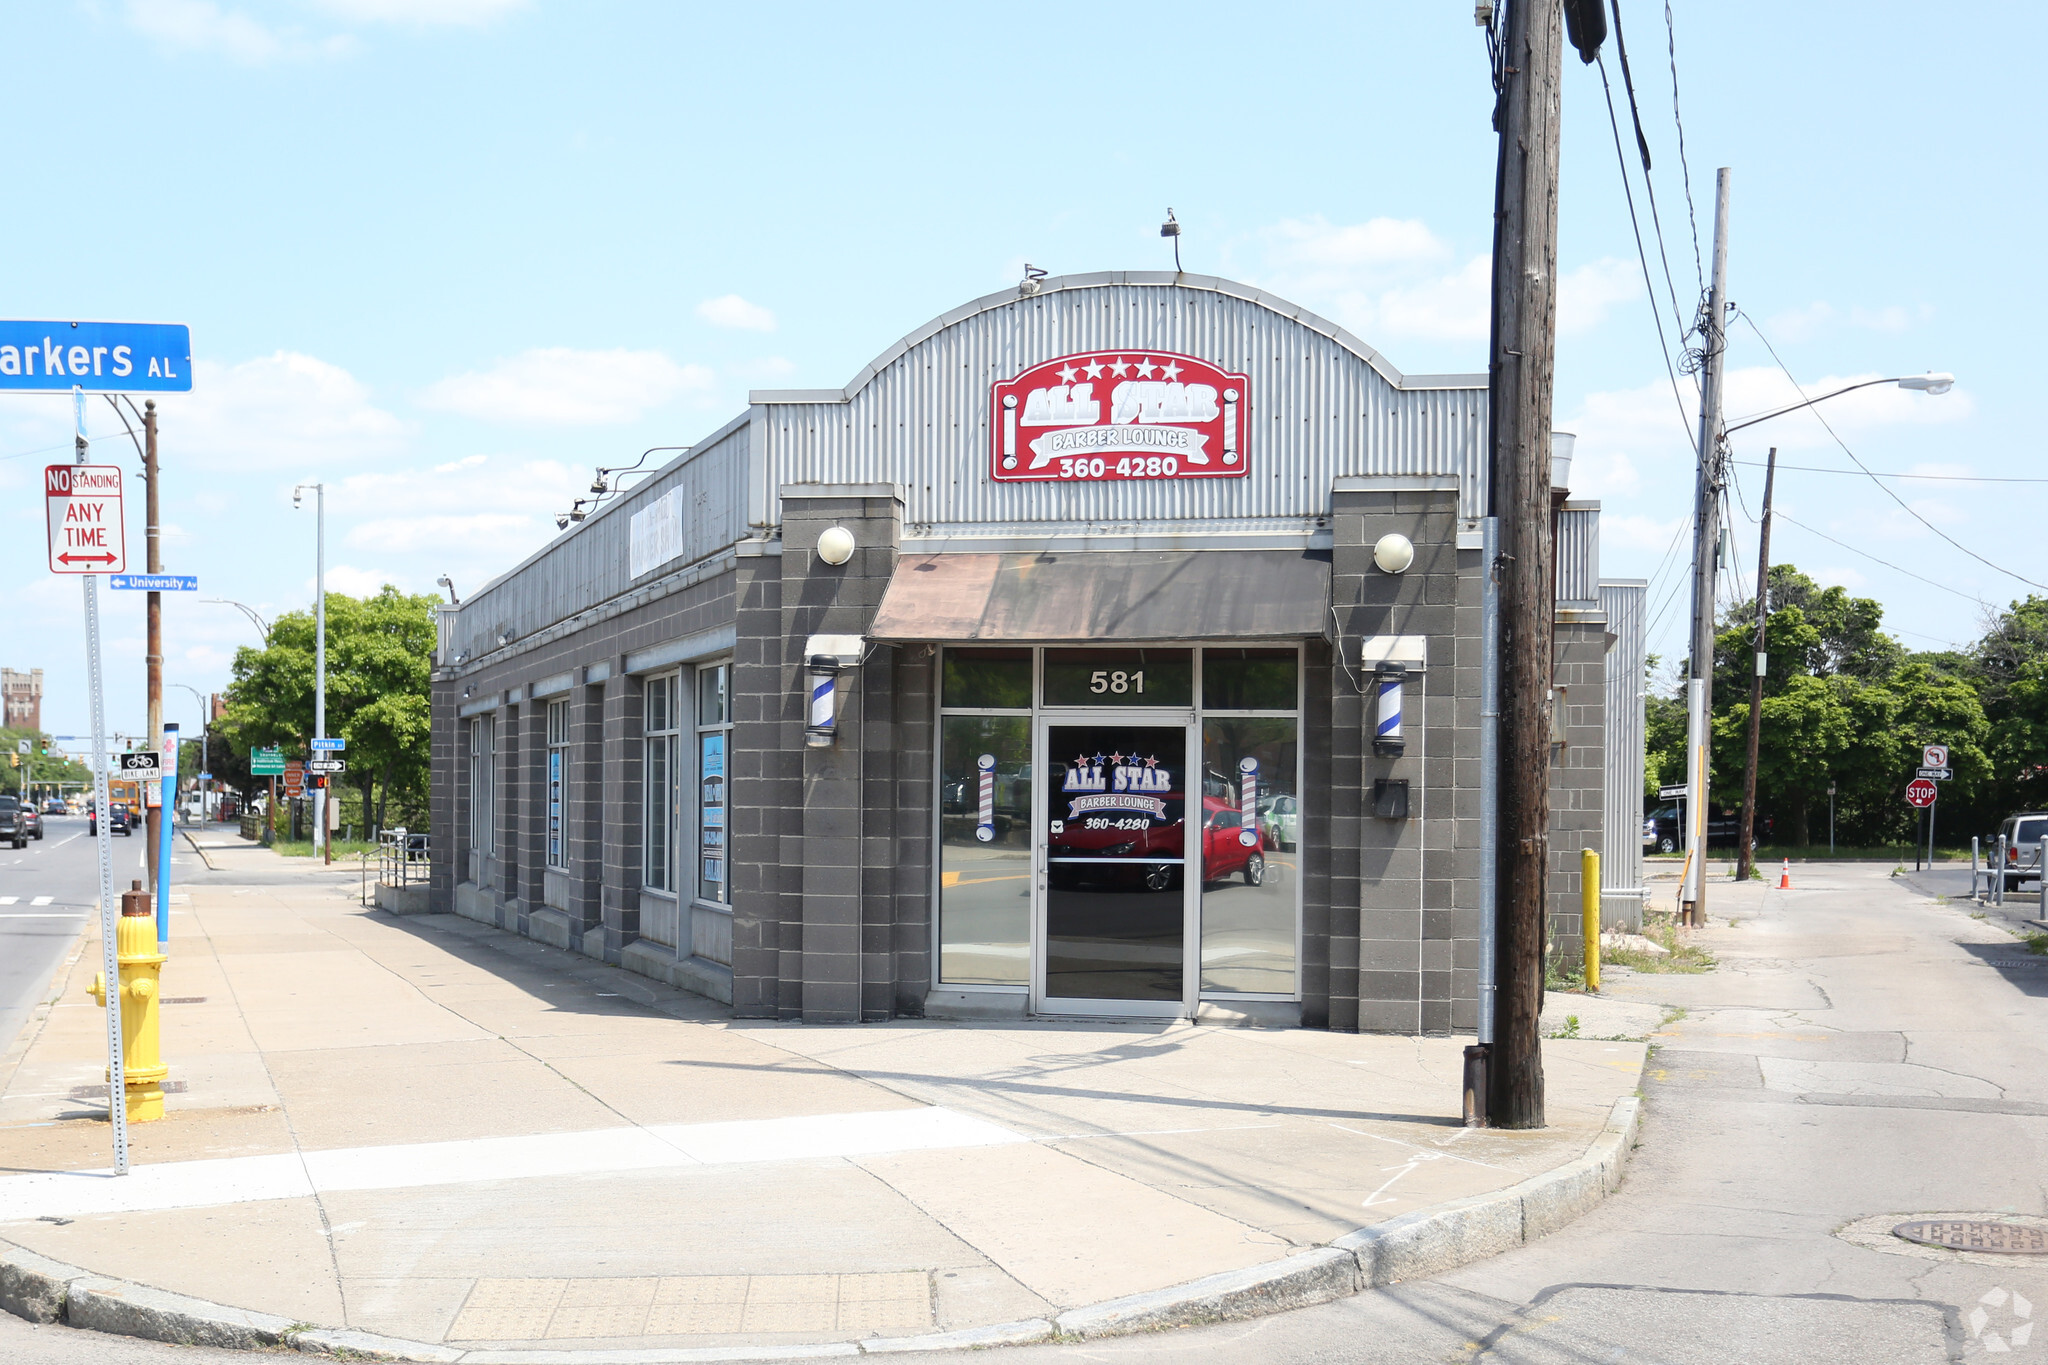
{"x": 117, "y": 1079}
{"x": 169, "y": 761}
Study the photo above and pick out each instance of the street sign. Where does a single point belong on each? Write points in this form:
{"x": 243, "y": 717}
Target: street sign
{"x": 1934, "y": 755}
{"x": 21, "y": 746}
{"x": 87, "y": 533}
{"x": 330, "y": 743}
{"x": 1670, "y": 793}
{"x": 266, "y": 763}
{"x": 98, "y": 357}
{"x": 141, "y": 763}
{"x": 155, "y": 582}
{"x": 1920, "y": 792}
{"x": 1936, "y": 774}
{"x": 294, "y": 777}
{"x": 326, "y": 765}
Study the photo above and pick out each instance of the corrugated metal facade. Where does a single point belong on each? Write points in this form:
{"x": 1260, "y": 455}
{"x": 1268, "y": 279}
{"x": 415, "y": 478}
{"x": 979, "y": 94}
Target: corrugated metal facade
{"x": 1323, "y": 405}
{"x": 1621, "y": 870}
{"x": 1578, "y": 554}
{"x": 588, "y": 564}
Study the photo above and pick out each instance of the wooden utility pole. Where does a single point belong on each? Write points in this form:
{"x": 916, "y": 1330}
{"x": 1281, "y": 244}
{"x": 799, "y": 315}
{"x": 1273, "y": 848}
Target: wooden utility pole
{"x": 1706, "y": 545}
{"x": 153, "y": 816}
{"x": 1745, "y": 857}
{"x": 1521, "y": 370}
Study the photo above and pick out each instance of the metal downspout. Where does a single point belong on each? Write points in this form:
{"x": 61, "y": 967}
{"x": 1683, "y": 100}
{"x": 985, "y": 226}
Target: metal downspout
{"x": 1489, "y": 767}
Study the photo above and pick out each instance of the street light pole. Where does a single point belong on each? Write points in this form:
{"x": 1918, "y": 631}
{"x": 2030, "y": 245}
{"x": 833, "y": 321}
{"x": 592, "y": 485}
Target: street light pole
{"x": 319, "y": 647}
{"x": 152, "y": 818}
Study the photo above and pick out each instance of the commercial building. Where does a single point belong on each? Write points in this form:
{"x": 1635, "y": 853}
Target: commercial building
{"x": 21, "y": 698}
{"x": 1110, "y": 646}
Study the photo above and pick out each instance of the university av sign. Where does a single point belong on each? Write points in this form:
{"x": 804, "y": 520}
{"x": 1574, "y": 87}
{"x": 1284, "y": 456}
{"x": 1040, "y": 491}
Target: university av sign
{"x": 1105, "y": 415}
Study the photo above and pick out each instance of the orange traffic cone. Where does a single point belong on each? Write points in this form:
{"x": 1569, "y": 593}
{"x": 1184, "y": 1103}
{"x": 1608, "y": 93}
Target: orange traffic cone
{"x": 1785, "y": 876}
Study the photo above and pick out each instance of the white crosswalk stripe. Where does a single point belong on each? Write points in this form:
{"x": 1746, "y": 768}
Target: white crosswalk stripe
{"x": 10, "y": 900}
{"x": 43, "y": 900}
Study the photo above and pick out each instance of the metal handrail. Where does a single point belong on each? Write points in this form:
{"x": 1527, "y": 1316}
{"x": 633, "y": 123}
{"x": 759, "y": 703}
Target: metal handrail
{"x": 402, "y": 857}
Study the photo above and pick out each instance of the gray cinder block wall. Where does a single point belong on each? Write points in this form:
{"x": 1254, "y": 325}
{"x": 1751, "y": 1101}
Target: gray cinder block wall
{"x": 1577, "y": 771}
{"x": 814, "y": 923}
{"x": 1402, "y": 893}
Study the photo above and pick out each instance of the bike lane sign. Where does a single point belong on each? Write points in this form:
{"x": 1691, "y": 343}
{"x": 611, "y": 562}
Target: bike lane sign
{"x": 87, "y": 533}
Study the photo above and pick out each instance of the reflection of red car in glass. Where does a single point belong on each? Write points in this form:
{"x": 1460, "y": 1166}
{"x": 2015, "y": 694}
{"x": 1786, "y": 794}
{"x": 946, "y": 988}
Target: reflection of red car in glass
{"x": 1130, "y": 838}
{"x": 1224, "y": 850}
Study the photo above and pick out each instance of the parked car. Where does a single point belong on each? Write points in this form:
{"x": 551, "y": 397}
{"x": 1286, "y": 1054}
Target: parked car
{"x": 32, "y": 819}
{"x": 1129, "y": 839}
{"x": 117, "y": 823}
{"x": 13, "y": 827}
{"x": 54, "y": 806}
{"x": 1663, "y": 834}
{"x": 1224, "y": 848}
{"x": 1280, "y": 822}
{"x": 2023, "y": 847}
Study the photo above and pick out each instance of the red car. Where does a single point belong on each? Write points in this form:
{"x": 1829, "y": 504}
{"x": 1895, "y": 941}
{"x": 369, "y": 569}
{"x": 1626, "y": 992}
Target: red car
{"x": 1131, "y": 837}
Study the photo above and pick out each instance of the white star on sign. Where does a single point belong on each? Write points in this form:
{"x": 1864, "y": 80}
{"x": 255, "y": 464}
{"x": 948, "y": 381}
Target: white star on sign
{"x": 1093, "y": 369}
{"x": 1066, "y": 374}
{"x": 1145, "y": 368}
{"x": 1117, "y": 369}
{"x": 1171, "y": 371}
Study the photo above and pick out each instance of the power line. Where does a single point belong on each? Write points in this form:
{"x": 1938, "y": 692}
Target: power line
{"x": 1635, "y": 114}
{"x": 1784, "y": 516}
{"x": 1867, "y": 473}
{"x": 1649, "y": 286}
{"x": 1671, "y": 40}
{"x": 1903, "y": 505}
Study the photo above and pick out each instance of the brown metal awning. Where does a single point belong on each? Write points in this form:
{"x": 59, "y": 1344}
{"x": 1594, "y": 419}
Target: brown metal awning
{"x": 1107, "y": 595}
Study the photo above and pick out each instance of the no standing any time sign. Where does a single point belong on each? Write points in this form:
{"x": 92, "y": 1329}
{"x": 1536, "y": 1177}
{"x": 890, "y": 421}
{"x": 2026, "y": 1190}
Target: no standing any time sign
{"x": 87, "y": 533}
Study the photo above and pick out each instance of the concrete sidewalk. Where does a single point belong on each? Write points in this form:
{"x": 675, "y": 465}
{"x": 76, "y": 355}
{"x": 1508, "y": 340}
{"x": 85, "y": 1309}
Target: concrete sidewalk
{"x": 429, "y": 1130}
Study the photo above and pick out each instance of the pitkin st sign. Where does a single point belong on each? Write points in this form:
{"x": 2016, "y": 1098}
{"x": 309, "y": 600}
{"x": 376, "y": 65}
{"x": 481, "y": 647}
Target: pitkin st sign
{"x": 1108, "y": 415}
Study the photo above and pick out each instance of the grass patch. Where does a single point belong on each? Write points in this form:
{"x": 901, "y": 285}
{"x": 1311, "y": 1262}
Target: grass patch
{"x": 2037, "y": 943}
{"x": 1686, "y": 958}
{"x": 1570, "y": 1029}
{"x": 1672, "y": 1014}
{"x": 343, "y": 848}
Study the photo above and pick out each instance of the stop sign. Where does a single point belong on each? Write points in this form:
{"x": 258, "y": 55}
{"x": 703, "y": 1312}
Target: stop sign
{"x": 1920, "y": 792}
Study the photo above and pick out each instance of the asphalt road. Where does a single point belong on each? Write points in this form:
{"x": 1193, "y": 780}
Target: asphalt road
{"x": 47, "y": 891}
{"x": 1865, "y": 1054}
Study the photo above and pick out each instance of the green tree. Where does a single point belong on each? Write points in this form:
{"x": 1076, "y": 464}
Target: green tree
{"x": 378, "y": 655}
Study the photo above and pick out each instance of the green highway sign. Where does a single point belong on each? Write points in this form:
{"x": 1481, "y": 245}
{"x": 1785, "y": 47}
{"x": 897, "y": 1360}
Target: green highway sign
{"x": 266, "y": 763}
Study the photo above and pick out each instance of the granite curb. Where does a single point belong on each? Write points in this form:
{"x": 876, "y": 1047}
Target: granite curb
{"x": 1426, "y": 1242}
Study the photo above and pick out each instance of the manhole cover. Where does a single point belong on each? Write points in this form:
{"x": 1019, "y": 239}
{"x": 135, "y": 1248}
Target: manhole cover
{"x": 2005, "y": 1239}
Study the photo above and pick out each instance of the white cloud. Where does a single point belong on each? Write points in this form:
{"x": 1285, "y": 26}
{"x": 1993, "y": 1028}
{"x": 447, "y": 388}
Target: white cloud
{"x": 421, "y": 13}
{"x": 281, "y": 409}
{"x": 1804, "y": 324}
{"x": 1837, "y": 576}
{"x": 1585, "y": 295}
{"x": 1390, "y": 277}
{"x": 730, "y": 310}
{"x": 203, "y": 26}
{"x": 463, "y": 511}
{"x": 356, "y": 582}
{"x": 1635, "y": 532}
{"x": 559, "y": 385}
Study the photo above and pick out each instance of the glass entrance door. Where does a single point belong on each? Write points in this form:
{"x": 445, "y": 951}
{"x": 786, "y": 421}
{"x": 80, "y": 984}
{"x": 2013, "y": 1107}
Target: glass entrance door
{"x": 1115, "y": 840}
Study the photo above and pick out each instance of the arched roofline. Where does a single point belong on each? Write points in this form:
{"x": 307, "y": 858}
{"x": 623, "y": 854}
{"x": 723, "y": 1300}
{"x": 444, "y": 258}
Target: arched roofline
{"x": 1103, "y": 279}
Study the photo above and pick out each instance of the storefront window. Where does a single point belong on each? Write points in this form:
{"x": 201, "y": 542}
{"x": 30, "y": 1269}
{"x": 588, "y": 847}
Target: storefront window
{"x": 714, "y": 734}
{"x": 987, "y": 679}
{"x": 1119, "y": 677}
{"x": 558, "y": 765}
{"x": 483, "y": 769}
{"x": 985, "y": 850}
{"x": 1251, "y": 834}
{"x": 659, "y": 782}
{"x": 1250, "y": 679}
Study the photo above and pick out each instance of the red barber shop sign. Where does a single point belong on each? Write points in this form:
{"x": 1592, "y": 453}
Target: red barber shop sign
{"x": 1108, "y": 415}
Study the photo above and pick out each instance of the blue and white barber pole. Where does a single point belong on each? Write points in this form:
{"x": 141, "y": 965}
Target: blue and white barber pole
{"x": 1248, "y": 801}
{"x": 823, "y": 726}
{"x": 1386, "y": 736}
{"x": 985, "y": 830}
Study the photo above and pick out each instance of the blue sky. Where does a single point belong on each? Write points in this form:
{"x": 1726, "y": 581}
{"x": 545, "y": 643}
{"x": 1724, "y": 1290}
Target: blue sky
{"x": 449, "y": 254}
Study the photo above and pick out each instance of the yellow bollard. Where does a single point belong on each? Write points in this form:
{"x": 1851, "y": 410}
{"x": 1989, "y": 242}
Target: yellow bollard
{"x": 1589, "y": 913}
{"x": 141, "y": 963}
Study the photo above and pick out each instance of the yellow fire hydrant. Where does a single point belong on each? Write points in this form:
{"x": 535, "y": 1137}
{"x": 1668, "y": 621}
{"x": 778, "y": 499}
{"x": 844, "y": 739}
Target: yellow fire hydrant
{"x": 141, "y": 963}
